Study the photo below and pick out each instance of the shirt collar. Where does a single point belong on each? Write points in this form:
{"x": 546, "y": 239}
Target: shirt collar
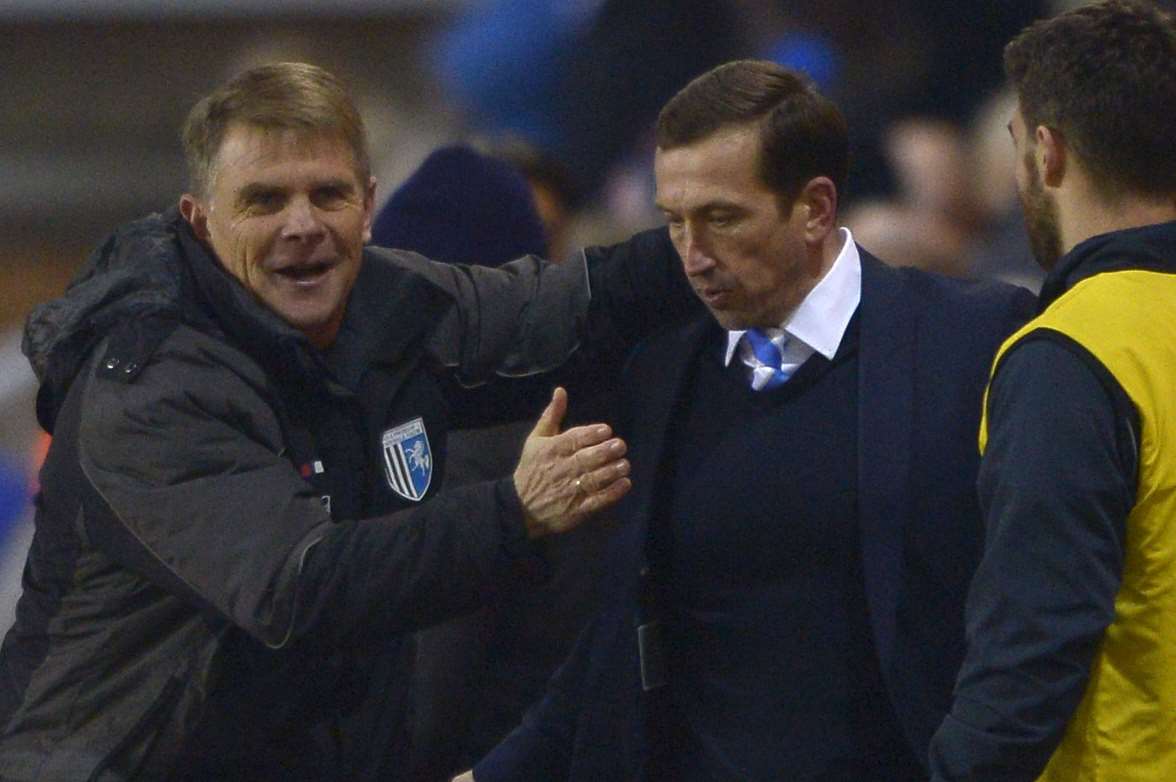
{"x": 821, "y": 318}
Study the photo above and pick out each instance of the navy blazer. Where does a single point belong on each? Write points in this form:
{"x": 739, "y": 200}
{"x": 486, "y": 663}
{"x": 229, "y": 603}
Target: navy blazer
{"x": 925, "y": 347}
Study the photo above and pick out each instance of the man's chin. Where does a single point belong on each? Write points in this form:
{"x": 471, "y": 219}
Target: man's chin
{"x": 731, "y": 321}
{"x": 318, "y": 325}
{"x": 1044, "y": 243}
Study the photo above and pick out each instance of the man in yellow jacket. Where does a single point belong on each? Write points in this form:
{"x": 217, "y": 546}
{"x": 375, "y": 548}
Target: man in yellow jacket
{"x": 1071, "y": 619}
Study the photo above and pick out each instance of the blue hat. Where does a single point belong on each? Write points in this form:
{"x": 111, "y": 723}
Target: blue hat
{"x": 462, "y": 207}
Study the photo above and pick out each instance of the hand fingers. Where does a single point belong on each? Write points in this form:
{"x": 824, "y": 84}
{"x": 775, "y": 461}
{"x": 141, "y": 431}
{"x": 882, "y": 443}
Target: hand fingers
{"x": 552, "y": 415}
{"x": 609, "y": 495}
{"x": 593, "y": 457}
{"x": 598, "y": 480}
{"x": 575, "y": 441}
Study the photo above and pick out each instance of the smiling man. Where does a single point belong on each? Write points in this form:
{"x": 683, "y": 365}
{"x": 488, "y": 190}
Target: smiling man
{"x": 787, "y": 587}
{"x": 239, "y": 522}
{"x": 288, "y": 215}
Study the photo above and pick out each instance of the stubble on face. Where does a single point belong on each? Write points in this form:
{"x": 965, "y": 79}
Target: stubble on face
{"x": 1040, "y": 215}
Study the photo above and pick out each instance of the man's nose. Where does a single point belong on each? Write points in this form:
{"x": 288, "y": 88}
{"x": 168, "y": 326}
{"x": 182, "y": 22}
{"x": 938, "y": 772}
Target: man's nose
{"x": 696, "y": 258}
{"x": 302, "y": 220}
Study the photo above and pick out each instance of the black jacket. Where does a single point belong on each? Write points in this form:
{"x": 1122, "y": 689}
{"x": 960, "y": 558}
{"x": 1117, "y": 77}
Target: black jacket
{"x": 925, "y": 344}
{"x": 226, "y": 559}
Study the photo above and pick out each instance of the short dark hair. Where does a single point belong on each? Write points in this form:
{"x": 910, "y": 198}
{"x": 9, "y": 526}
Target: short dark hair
{"x": 1104, "y": 75}
{"x": 281, "y": 96}
{"x": 802, "y": 133}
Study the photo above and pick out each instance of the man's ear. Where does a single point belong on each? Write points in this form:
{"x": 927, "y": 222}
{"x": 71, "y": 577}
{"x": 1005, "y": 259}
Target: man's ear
{"x": 1050, "y": 155}
{"x": 819, "y": 199}
{"x": 369, "y": 208}
{"x": 196, "y": 214}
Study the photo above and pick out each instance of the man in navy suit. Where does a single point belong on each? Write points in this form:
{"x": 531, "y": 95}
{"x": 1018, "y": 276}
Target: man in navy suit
{"x": 785, "y": 598}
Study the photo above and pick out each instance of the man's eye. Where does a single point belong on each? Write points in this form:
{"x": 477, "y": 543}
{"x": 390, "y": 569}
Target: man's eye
{"x": 264, "y": 202}
{"x": 327, "y": 197}
{"x": 721, "y": 221}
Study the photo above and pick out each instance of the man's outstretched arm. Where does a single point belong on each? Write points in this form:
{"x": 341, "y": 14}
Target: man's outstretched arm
{"x": 530, "y": 316}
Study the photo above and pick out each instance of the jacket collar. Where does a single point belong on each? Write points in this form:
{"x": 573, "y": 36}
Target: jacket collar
{"x": 387, "y": 311}
{"x": 224, "y": 307}
{"x": 1149, "y": 247}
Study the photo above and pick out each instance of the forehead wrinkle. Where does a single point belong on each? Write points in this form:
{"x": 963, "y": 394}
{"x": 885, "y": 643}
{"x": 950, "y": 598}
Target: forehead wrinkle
{"x": 727, "y": 162}
{"x": 696, "y": 194}
{"x": 250, "y": 146}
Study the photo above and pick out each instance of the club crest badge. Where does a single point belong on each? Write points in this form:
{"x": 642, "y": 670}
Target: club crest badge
{"x": 408, "y": 462}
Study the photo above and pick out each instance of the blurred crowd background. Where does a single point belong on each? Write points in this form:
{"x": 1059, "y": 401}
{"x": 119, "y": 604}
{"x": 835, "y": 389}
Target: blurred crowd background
{"x": 94, "y": 91}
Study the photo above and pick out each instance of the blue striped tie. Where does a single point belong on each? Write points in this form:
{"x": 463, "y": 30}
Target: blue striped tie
{"x": 768, "y": 355}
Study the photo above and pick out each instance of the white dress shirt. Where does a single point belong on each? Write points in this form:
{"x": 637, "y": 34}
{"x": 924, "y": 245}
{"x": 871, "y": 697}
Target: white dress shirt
{"x": 818, "y": 323}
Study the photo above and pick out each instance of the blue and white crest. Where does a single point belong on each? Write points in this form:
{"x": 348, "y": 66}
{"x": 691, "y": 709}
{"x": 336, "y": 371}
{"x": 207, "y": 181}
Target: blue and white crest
{"x": 408, "y": 462}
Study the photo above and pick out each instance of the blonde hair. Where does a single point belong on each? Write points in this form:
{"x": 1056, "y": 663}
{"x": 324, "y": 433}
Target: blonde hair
{"x": 281, "y": 96}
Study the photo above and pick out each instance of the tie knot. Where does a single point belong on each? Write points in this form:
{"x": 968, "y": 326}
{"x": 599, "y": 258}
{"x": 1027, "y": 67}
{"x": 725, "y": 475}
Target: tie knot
{"x": 766, "y": 348}
{"x": 767, "y": 370}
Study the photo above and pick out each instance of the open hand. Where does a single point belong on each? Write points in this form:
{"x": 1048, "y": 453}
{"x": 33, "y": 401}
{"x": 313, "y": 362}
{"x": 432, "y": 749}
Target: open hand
{"x": 562, "y": 477}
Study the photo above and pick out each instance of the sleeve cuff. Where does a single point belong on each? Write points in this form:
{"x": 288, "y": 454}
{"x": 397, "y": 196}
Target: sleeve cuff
{"x": 528, "y": 555}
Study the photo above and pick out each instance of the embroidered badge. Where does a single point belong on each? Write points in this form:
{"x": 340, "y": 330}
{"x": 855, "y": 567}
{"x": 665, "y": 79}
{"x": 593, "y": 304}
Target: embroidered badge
{"x": 408, "y": 462}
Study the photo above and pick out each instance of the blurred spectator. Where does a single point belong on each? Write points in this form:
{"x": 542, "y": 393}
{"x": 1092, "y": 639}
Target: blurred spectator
{"x": 933, "y": 216}
{"x": 581, "y": 79}
{"x": 904, "y": 58}
{"x": 933, "y": 169}
{"x": 13, "y": 497}
{"x": 502, "y": 62}
{"x": 905, "y": 236}
{"x": 955, "y": 209}
{"x": 21, "y": 453}
{"x": 1002, "y": 250}
{"x": 15, "y": 529}
{"x": 810, "y": 53}
{"x": 552, "y": 188}
{"x": 994, "y": 155}
{"x": 461, "y": 206}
